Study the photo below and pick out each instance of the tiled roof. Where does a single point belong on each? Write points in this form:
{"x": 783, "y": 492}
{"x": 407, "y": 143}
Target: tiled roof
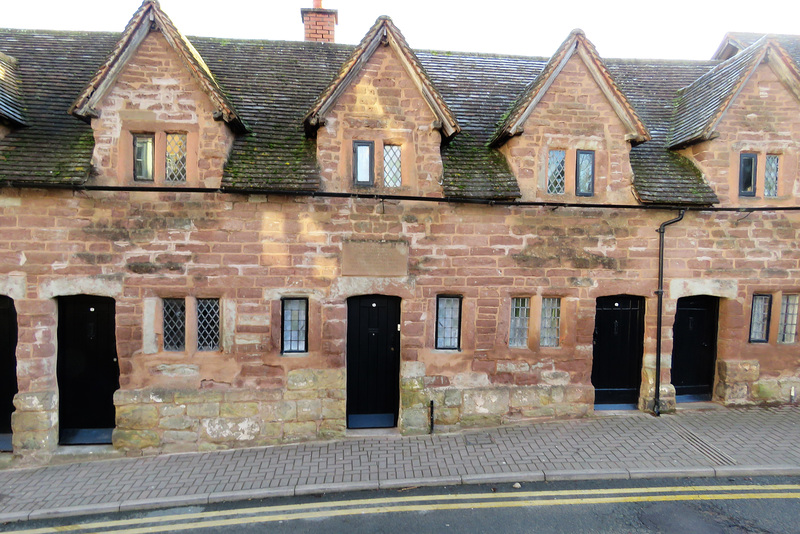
{"x": 273, "y": 84}
{"x": 11, "y": 108}
{"x": 702, "y": 103}
{"x": 660, "y": 175}
{"x": 742, "y": 40}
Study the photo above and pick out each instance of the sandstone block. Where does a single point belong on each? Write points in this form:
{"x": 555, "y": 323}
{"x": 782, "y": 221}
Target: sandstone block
{"x": 309, "y": 410}
{"x": 512, "y": 367}
{"x": 485, "y": 401}
{"x": 171, "y": 410}
{"x": 178, "y": 436}
{"x": 206, "y": 409}
{"x": 238, "y": 409}
{"x": 34, "y": 441}
{"x": 271, "y": 430}
{"x": 333, "y": 409}
{"x": 452, "y": 397}
{"x": 480, "y": 420}
{"x": 316, "y": 379}
{"x": 134, "y": 439}
{"x": 33, "y": 421}
{"x": 523, "y": 397}
{"x": 279, "y": 411}
{"x": 198, "y": 396}
{"x": 302, "y": 431}
{"x": 767, "y": 390}
{"x": 555, "y": 378}
{"x": 446, "y": 416}
{"x": 412, "y": 369}
{"x": 414, "y": 420}
{"x": 225, "y": 430}
{"x": 177, "y": 422}
{"x": 137, "y": 417}
{"x": 36, "y": 401}
{"x": 738, "y": 370}
{"x": 412, "y": 384}
{"x": 470, "y": 380}
{"x": 413, "y": 399}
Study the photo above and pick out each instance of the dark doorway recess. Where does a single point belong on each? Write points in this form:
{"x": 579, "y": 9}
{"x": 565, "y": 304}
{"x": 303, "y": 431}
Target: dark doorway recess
{"x": 618, "y": 346}
{"x": 373, "y": 361}
{"x": 87, "y": 369}
{"x": 8, "y": 368}
{"x": 694, "y": 347}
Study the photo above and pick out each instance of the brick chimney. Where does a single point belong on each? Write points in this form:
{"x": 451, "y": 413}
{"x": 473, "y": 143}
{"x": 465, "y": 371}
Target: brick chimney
{"x": 319, "y": 23}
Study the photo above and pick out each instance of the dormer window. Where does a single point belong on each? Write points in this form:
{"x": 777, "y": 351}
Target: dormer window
{"x": 584, "y": 173}
{"x": 556, "y": 166}
{"x": 143, "y": 156}
{"x": 364, "y": 162}
{"x": 392, "y": 176}
{"x": 771, "y": 175}
{"x": 176, "y": 158}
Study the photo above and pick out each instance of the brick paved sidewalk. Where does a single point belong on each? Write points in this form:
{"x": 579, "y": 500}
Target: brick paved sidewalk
{"x": 720, "y": 442}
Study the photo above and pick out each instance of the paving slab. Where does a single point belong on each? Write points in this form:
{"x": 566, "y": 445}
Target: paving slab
{"x": 632, "y": 445}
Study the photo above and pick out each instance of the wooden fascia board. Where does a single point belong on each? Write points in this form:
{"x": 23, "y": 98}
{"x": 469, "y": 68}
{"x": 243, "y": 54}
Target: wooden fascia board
{"x": 785, "y": 69}
{"x": 448, "y": 122}
{"x": 352, "y": 72}
{"x": 108, "y": 81}
{"x": 637, "y": 131}
{"x": 708, "y": 131}
{"x": 517, "y": 126}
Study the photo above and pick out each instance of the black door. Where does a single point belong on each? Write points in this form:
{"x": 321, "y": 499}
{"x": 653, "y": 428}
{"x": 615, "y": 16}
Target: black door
{"x": 694, "y": 348}
{"x": 373, "y": 361}
{"x": 8, "y": 369}
{"x": 618, "y": 347}
{"x": 88, "y": 372}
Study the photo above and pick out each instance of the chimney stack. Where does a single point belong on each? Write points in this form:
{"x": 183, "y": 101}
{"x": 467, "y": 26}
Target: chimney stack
{"x": 319, "y": 23}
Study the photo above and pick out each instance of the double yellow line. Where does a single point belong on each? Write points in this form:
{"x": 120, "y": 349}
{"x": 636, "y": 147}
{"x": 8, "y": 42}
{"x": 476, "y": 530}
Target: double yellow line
{"x": 426, "y": 503}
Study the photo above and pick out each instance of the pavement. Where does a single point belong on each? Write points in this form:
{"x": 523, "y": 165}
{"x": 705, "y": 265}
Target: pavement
{"x": 699, "y": 441}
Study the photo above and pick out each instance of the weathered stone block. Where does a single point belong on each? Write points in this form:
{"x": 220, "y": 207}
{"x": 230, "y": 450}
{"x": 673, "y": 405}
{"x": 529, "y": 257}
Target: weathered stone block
{"x": 206, "y": 409}
{"x": 413, "y": 399}
{"x": 331, "y": 429}
{"x": 171, "y": 410}
{"x": 523, "y": 397}
{"x": 134, "y": 439}
{"x": 333, "y": 409}
{"x": 446, "y": 416}
{"x": 302, "y": 394}
{"x": 279, "y": 411}
{"x": 452, "y": 397}
{"x": 543, "y": 411}
{"x": 579, "y": 394}
{"x": 128, "y": 396}
{"x": 738, "y": 370}
{"x": 221, "y": 429}
{"x": 415, "y": 420}
{"x": 309, "y": 410}
{"x": 412, "y": 369}
{"x": 316, "y": 379}
{"x": 555, "y": 378}
{"x": 34, "y": 441}
{"x": 238, "y": 409}
{"x": 512, "y": 367}
{"x": 198, "y": 396}
{"x": 302, "y": 431}
{"x": 412, "y": 384}
{"x": 36, "y": 401}
{"x": 178, "y": 422}
{"x": 485, "y": 401}
{"x": 137, "y": 417}
{"x": 178, "y": 436}
{"x": 767, "y": 390}
{"x": 271, "y": 430}
{"x": 33, "y": 421}
{"x": 480, "y": 420}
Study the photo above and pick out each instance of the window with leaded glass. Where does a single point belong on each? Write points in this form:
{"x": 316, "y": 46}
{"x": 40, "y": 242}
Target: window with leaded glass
{"x": 448, "y": 322}
{"x": 295, "y": 325}
{"x": 208, "y": 324}
{"x": 391, "y": 166}
{"x": 556, "y": 163}
{"x": 759, "y": 318}
{"x": 550, "y": 332}
{"x": 520, "y": 314}
{"x": 787, "y": 329}
{"x": 143, "y": 156}
{"x": 174, "y": 324}
{"x": 747, "y": 174}
{"x": 584, "y": 173}
{"x": 771, "y": 176}
{"x": 363, "y": 162}
{"x": 176, "y": 158}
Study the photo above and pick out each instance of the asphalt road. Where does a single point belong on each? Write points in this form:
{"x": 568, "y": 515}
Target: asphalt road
{"x": 697, "y": 506}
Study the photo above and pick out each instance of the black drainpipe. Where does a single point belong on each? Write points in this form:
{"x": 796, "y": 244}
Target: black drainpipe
{"x": 660, "y": 293}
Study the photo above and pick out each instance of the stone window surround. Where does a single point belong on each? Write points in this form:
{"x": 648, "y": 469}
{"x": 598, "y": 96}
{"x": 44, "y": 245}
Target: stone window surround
{"x": 403, "y": 139}
{"x": 160, "y": 131}
{"x": 761, "y": 158}
{"x": 314, "y": 321}
{"x": 773, "y": 315}
{"x": 571, "y": 167}
{"x": 458, "y": 347}
{"x": 284, "y": 350}
{"x": 153, "y": 325}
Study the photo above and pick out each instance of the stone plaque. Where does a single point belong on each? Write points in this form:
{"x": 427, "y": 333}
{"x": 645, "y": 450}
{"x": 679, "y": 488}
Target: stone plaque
{"x": 374, "y": 258}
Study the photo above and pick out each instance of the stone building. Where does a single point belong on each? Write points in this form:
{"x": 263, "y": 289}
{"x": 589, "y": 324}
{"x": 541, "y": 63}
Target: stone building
{"x": 214, "y": 243}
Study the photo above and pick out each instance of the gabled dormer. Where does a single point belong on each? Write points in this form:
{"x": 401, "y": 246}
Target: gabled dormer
{"x": 159, "y": 116}
{"x": 12, "y": 114}
{"x": 568, "y": 135}
{"x": 740, "y": 124}
{"x": 380, "y": 123}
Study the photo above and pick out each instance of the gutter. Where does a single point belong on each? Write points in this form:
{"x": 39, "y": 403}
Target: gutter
{"x": 660, "y": 293}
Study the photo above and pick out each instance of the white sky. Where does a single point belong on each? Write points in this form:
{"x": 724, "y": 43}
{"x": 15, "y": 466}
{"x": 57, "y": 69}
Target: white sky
{"x": 674, "y": 29}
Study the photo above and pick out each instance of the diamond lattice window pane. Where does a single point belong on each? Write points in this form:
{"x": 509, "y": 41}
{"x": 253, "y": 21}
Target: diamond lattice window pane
{"x": 551, "y": 322}
{"x": 391, "y": 166}
{"x": 448, "y": 322}
{"x": 176, "y": 158}
{"x": 295, "y": 323}
{"x": 520, "y": 313}
{"x": 771, "y": 176}
{"x": 555, "y": 172}
{"x": 174, "y": 324}
{"x": 787, "y": 331}
{"x": 208, "y": 324}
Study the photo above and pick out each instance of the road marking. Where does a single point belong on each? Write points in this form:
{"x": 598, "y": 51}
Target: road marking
{"x": 397, "y": 504}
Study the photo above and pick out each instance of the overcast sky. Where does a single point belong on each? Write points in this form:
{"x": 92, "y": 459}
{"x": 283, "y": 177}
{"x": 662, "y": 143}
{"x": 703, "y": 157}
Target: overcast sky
{"x": 676, "y": 29}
